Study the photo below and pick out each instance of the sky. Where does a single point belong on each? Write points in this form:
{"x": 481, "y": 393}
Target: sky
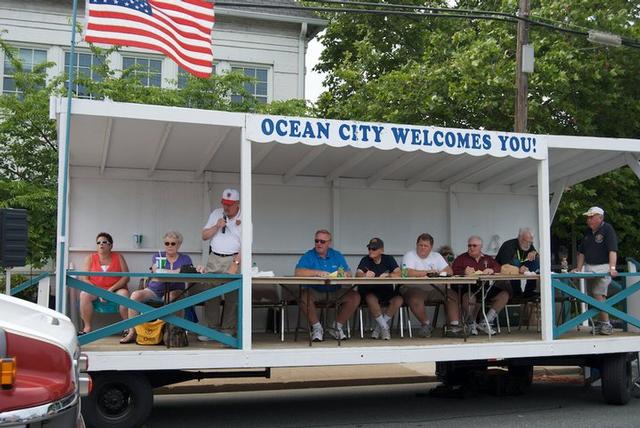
{"x": 313, "y": 81}
{"x": 313, "y": 85}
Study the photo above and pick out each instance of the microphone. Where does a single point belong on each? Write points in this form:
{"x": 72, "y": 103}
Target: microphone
{"x": 224, "y": 228}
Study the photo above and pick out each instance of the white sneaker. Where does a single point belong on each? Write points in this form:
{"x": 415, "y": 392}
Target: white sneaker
{"x": 385, "y": 334}
{"x": 606, "y": 329}
{"x": 317, "y": 334}
{"x": 473, "y": 329}
{"x": 375, "y": 334}
{"x": 204, "y": 339}
{"x": 425, "y": 330}
{"x": 337, "y": 333}
{"x": 486, "y": 328}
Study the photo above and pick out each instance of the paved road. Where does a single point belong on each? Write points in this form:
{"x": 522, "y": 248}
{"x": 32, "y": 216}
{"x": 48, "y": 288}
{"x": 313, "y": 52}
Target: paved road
{"x": 545, "y": 405}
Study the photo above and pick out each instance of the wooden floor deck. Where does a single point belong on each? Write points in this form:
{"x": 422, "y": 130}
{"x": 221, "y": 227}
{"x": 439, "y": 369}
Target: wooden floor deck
{"x": 272, "y": 341}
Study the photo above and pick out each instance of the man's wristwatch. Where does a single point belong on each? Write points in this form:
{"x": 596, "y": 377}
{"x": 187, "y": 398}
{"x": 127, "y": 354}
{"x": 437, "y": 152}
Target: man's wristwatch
{"x": 612, "y": 268}
{"x": 236, "y": 262}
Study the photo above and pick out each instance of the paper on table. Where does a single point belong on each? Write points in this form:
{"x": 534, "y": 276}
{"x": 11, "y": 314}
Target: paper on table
{"x": 263, "y": 274}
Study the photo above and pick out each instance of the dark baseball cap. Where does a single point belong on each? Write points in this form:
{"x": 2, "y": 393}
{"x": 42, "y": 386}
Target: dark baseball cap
{"x": 375, "y": 244}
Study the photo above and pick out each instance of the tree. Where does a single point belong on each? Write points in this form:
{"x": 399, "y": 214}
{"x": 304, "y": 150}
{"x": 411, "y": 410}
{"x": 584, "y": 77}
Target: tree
{"x": 461, "y": 73}
{"x": 28, "y": 154}
{"x": 28, "y": 137}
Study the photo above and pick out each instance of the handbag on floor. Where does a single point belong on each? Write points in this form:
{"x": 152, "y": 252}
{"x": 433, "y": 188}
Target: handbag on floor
{"x": 175, "y": 337}
{"x": 150, "y": 333}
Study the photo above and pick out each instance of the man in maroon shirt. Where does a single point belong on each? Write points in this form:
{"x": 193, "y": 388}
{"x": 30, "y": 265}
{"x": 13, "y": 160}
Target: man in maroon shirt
{"x": 475, "y": 262}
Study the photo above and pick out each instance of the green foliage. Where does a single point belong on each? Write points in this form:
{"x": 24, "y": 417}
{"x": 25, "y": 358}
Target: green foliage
{"x": 28, "y": 155}
{"x": 616, "y": 192}
{"x": 28, "y": 145}
{"x": 288, "y": 108}
{"x": 461, "y": 73}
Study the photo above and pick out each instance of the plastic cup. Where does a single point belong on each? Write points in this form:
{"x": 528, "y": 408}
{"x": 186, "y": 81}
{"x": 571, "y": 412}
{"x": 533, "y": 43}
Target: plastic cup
{"x": 161, "y": 263}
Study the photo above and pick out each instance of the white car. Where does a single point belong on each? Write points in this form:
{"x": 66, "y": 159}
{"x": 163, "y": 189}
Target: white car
{"x": 42, "y": 371}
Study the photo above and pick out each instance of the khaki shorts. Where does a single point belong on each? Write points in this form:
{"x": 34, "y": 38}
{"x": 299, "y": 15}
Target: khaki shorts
{"x": 598, "y": 286}
{"x": 427, "y": 293}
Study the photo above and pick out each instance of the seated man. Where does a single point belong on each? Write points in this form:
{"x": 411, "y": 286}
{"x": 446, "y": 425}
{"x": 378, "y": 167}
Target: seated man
{"x": 378, "y": 264}
{"x": 422, "y": 262}
{"x": 475, "y": 262}
{"x": 321, "y": 261}
{"x": 520, "y": 253}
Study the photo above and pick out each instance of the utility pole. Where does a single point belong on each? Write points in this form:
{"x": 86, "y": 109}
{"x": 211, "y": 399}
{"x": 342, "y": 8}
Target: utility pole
{"x": 522, "y": 83}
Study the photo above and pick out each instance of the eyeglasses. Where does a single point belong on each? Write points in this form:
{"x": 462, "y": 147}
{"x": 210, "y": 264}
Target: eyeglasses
{"x": 170, "y": 244}
{"x": 473, "y": 245}
{"x": 321, "y": 241}
{"x": 103, "y": 242}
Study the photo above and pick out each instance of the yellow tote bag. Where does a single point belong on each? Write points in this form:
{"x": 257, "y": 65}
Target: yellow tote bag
{"x": 150, "y": 333}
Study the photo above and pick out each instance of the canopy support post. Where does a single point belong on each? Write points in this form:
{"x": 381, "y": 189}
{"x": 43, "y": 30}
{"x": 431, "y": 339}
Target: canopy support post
{"x": 544, "y": 226}
{"x": 246, "y": 240}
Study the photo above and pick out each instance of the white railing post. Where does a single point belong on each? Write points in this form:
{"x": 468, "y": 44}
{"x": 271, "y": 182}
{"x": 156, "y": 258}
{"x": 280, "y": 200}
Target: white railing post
{"x": 7, "y": 281}
{"x": 44, "y": 286}
{"x": 633, "y": 301}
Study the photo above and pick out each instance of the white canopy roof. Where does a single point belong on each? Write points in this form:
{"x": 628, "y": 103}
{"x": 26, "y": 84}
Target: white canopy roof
{"x": 118, "y": 135}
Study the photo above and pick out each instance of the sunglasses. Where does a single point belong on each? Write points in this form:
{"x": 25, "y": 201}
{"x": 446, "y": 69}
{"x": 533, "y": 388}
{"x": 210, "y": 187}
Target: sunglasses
{"x": 321, "y": 241}
{"x": 473, "y": 245}
{"x": 103, "y": 242}
{"x": 170, "y": 244}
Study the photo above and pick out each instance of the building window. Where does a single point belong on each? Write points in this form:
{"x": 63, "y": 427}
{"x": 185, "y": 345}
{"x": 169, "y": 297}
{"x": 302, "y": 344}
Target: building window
{"x": 147, "y": 70}
{"x": 29, "y": 58}
{"x": 83, "y": 66}
{"x": 183, "y": 76}
{"x": 257, "y": 86}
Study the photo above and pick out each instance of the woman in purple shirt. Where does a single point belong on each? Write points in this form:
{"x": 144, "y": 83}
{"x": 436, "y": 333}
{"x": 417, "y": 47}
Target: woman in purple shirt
{"x": 156, "y": 289}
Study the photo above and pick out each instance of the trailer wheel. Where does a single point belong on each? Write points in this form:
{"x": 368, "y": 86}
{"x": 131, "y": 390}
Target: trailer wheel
{"x": 520, "y": 379}
{"x": 118, "y": 400}
{"x": 617, "y": 381}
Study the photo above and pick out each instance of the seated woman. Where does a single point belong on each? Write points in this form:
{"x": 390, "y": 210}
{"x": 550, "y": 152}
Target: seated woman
{"x": 156, "y": 288}
{"x": 103, "y": 260}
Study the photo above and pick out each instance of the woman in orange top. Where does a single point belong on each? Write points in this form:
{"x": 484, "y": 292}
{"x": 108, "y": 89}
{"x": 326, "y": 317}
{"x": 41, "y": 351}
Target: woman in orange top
{"x": 104, "y": 260}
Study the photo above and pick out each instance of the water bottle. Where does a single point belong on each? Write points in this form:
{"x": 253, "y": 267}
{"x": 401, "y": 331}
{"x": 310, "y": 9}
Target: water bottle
{"x": 340, "y": 272}
{"x": 564, "y": 265}
{"x": 405, "y": 271}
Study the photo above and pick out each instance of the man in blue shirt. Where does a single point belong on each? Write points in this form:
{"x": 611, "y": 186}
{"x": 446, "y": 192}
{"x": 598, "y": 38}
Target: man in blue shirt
{"x": 322, "y": 261}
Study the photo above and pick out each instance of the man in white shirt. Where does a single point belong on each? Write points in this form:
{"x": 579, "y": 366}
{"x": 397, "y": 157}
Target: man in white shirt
{"x": 423, "y": 262}
{"x": 224, "y": 230}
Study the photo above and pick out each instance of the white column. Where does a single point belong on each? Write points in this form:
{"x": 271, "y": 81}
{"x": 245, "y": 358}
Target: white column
{"x": 61, "y": 242}
{"x": 247, "y": 237}
{"x": 544, "y": 226}
{"x": 302, "y": 41}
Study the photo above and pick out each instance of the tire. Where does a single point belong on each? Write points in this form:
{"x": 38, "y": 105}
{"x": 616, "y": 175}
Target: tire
{"x": 617, "y": 379}
{"x": 452, "y": 374}
{"x": 520, "y": 379}
{"x": 118, "y": 400}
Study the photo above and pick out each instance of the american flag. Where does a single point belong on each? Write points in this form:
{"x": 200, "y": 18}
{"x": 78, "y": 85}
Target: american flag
{"x": 181, "y": 29}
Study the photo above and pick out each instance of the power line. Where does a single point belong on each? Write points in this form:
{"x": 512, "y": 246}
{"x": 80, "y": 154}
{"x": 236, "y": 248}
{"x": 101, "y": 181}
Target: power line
{"x": 391, "y": 9}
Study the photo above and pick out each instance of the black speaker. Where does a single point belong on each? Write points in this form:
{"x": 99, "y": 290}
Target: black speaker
{"x": 13, "y": 237}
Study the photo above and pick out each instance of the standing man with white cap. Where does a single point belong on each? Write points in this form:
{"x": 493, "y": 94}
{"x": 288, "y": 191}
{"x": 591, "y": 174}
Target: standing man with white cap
{"x": 224, "y": 230}
{"x": 598, "y": 253}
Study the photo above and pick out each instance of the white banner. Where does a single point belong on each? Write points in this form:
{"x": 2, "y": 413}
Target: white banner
{"x": 387, "y": 136}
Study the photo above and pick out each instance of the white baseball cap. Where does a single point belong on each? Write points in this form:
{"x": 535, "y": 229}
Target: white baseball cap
{"x": 594, "y": 211}
{"x": 229, "y": 196}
